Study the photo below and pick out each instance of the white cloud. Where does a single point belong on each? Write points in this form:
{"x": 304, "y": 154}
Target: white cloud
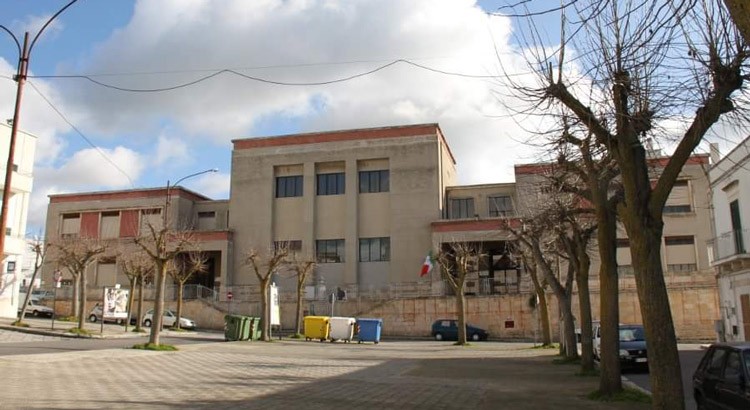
{"x": 33, "y": 24}
{"x": 214, "y": 185}
{"x": 451, "y": 35}
{"x": 170, "y": 149}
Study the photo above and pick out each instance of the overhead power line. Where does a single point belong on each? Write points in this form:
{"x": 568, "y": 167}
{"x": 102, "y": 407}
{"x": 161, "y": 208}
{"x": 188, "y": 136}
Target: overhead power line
{"x": 274, "y": 82}
{"x": 85, "y": 138}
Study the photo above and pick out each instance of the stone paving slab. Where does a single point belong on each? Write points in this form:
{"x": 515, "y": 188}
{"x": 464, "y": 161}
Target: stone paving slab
{"x": 297, "y": 374}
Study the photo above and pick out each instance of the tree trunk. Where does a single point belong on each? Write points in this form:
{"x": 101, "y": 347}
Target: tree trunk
{"x": 82, "y": 304}
{"x": 610, "y": 381}
{"x": 265, "y": 321}
{"x": 584, "y": 302}
{"x": 569, "y": 328}
{"x": 180, "y": 293}
{"x": 541, "y": 308}
{"x": 74, "y": 300}
{"x": 22, "y": 314}
{"x": 139, "y": 316}
{"x": 298, "y": 319}
{"x": 157, "y": 318}
{"x": 131, "y": 297}
{"x": 664, "y": 360}
{"x": 461, "y": 309}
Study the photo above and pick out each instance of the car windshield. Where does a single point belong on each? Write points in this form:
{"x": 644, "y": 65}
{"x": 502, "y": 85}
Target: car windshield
{"x": 33, "y": 302}
{"x": 632, "y": 334}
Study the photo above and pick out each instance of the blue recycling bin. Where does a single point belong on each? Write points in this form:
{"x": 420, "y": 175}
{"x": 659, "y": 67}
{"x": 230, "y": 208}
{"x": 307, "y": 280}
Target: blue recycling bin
{"x": 369, "y": 330}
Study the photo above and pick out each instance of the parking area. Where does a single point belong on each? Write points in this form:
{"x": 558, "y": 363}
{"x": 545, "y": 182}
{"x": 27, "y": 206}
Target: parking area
{"x": 298, "y": 374}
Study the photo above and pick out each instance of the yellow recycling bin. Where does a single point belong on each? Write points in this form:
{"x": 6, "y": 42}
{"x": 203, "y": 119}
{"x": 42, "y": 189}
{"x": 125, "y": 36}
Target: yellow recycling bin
{"x": 316, "y": 327}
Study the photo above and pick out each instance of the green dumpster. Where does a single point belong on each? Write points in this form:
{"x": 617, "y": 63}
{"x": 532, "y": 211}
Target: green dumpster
{"x": 236, "y": 328}
{"x": 254, "y": 328}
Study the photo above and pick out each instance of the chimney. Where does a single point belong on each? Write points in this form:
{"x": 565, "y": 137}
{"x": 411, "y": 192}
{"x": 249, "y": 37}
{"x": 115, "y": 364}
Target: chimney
{"x": 714, "y": 153}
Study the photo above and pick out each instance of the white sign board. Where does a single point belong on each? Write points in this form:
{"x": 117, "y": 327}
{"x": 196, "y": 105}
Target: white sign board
{"x": 115, "y": 303}
{"x": 275, "y": 305}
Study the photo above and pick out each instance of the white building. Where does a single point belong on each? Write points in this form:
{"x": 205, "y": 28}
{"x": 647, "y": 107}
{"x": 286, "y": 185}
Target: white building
{"x": 18, "y": 207}
{"x": 730, "y": 187}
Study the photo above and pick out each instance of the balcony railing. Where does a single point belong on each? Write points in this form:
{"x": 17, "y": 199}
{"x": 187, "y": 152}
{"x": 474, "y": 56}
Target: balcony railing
{"x": 728, "y": 244}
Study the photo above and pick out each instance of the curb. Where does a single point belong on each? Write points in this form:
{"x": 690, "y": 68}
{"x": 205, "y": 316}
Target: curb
{"x": 629, "y": 384}
{"x": 54, "y": 333}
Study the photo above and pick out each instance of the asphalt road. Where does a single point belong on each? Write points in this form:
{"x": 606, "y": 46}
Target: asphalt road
{"x": 689, "y": 360}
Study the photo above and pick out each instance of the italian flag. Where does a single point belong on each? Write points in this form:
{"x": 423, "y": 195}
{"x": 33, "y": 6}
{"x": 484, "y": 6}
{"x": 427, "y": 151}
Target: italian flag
{"x": 427, "y": 266}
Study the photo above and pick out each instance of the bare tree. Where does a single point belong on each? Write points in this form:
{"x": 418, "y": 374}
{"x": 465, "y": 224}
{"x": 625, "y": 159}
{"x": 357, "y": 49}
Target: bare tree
{"x": 540, "y": 296}
{"x": 76, "y": 255}
{"x": 264, "y": 265}
{"x": 637, "y": 65}
{"x": 182, "y": 268}
{"x": 456, "y": 260}
{"x": 138, "y": 267}
{"x": 302, "y": 266}
{"x": 162, "y": 245}
{"x": 40, "y": 252}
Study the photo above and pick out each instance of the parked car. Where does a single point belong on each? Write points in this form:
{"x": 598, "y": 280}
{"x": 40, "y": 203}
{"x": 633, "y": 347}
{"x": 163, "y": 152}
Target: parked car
{"x": 447, "y": 329}
{"x": 96, "y": 315}
{"x": 168, "y": 320}
{"x": 721, "y": 380}
{"x": 37, "y": 309}
{"x": 633, "y": 352}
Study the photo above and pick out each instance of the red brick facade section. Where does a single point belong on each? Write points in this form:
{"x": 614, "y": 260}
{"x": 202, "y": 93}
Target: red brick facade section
{"x": 207, "y": 236}
{"x": 124, "y": 195}
{"x": 89, "y": 225}
{"x": 129, "y": 224}
{"x": 545, "y": 168}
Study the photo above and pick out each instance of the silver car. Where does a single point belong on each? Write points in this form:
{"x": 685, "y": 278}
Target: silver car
{"x": 168, "y": 320}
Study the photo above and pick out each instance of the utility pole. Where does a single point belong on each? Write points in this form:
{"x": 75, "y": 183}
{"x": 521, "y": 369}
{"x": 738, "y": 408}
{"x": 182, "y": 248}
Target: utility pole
{"x": 24, "y": 53}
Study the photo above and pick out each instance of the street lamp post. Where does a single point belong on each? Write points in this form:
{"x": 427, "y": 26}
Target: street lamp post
{"x": 169, "y": 190}
{"x": 24, "y": 53}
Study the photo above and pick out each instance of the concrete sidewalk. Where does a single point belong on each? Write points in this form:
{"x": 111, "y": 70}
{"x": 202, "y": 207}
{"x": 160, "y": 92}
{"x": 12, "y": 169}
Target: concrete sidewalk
{"x": 110, "y": 330}
{"x": 296, "y": 374}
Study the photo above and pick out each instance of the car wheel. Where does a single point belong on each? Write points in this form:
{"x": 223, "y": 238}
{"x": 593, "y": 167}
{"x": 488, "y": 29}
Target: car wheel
{"x": 147, "y": 323}
{"x": 35, "y": 313}
{"x": 92, "y": 318}
{"x": 120, "y": 321}
{"x": 438, "y": 337}
{"x": 475, "y": 337}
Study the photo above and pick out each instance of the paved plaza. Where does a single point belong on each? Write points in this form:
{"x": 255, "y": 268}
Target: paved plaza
{"x": 293, "y": 374}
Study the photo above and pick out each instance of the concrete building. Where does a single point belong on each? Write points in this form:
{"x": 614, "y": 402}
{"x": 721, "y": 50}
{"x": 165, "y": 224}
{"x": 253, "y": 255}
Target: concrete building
{"x": 368, "y": 205}
{"x": 18, "y": 208}
{"x": 730, "y": 179}
{"x": 116, "y": 217}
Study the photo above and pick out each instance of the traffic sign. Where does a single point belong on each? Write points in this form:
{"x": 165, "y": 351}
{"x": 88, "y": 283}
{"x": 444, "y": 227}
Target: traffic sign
{"x": 229, "y": 295}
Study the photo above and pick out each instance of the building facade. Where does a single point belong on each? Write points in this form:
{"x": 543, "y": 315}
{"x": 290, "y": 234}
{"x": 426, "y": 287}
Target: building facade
{"x": 18, "y": 208}
{"x": 730, "y": 183}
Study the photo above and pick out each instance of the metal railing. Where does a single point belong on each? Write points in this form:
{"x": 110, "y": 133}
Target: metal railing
{"x": 728, "y": 244}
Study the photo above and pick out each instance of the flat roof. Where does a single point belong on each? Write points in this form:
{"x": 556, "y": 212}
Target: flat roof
{"x": 127, "y": 194}
{"x": 343, "y": 135}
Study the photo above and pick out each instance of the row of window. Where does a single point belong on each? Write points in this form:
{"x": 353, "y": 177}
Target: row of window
{"x": 333, "y": 250}
{"x": 333, "y": 183}
{"x": 668, "y": 241}
{"x": 499, "y": 205}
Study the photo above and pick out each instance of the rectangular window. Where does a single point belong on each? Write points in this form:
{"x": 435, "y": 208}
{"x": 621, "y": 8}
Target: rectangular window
{"x": 329, "y": 250}
{"x": 374, "y": 181}
{"x": 679, "y": 198}
{"x": 151, "y": 218}
{"x": 331, "y": 184}
{"x": 500, "y": 205}
{"x": 206, "y": 220}
{"x": 287, "y": 187}
{"x": 71, "y": 225}
{"x": 110, "y": 225}
{"x": 679, "y": 240}
{"x": 292, "y": 246}
{"x": 375, "y": 249}
{"x": 461, "y": 208}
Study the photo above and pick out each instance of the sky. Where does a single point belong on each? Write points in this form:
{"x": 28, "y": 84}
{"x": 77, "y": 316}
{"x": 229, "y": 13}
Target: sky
{"x": 93, "y": 137}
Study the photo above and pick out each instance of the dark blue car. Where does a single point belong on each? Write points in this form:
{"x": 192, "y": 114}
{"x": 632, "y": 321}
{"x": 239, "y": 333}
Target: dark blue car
{"x": 722, "y": 378}
{"x": 447, "y": 329}
{"x": 633, "y": 353}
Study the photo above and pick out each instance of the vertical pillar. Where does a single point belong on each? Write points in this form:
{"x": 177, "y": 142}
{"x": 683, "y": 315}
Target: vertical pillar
{"x": 351, "y": 238}
{"x": 308, "y": 194}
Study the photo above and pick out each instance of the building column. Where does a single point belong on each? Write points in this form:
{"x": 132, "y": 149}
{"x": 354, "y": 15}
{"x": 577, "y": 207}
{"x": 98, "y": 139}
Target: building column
{"x": 351, "y": 238}
{"x": 308, "y": 195}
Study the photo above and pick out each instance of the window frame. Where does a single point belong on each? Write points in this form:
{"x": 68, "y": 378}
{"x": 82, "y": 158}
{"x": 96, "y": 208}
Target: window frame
{"x": 494, "y": 210}
{"x": 376, "y": 181}
{"x": 381, "y": 247}
{"x": 334, "y": 251}
{"x": 293, "y": 186}
{"x": 464, "y": 206}
{"x": 332, "y": 183}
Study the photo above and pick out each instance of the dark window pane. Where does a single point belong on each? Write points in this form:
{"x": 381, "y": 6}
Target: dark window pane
{"x": 385, "y": 185}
